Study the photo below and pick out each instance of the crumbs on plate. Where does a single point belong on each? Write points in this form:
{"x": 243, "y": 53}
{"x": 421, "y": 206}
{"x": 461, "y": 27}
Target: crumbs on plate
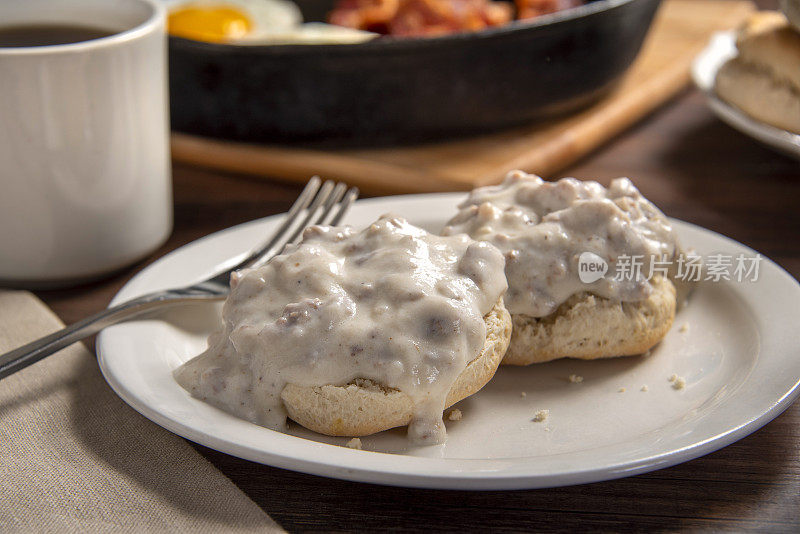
{"x": 541, "y": 416}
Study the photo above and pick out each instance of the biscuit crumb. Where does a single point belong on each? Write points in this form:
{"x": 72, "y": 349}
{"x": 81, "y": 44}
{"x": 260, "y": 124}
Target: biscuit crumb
{"x": 621, "y": 390}
{"x": 679, "y": 383}
{"x": 354, "y": 443}
{"x": 541, "y": 416}
{"x": 454, "y": 415}
{"x": 684, "y": 327}
{"x": 673, "y": 378}
{"x": 644, "y": 388}
{"x": 523, "y": 394}
{"x": 547, "y": 429}
{"x": 575, "y": 379}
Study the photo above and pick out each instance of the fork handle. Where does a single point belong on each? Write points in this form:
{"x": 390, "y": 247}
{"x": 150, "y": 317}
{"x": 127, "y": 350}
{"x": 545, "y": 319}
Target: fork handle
{"x": 22, "y": 357}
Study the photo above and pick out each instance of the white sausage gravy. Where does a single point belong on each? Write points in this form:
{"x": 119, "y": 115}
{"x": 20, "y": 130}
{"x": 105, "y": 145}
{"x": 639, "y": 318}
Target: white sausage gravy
{"x": 391, "y": 303}
{"x": 544, "y": 227}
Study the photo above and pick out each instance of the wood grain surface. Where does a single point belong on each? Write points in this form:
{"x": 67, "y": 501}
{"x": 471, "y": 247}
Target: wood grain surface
{"x": 696, "y": 169}
{"x": 681, "y": 29}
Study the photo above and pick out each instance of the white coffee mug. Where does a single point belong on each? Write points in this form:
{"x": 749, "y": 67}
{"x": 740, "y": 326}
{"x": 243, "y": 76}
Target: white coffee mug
{"x": 85, "y": 185}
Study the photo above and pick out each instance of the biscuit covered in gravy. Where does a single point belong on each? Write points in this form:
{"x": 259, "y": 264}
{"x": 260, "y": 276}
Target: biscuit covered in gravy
{"x": 391, "y": 304}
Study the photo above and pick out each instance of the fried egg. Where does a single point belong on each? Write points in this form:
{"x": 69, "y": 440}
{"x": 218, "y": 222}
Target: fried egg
{"x": 231, "y": 21}
{"x": 315, "y": 33}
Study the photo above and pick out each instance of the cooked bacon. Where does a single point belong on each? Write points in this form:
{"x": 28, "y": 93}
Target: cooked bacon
{"x": 420, "y": 17}
{"x": 528, "y": 9}
{"x": 434, "y": 17}
{"x": 410, "y": 18}
{"x": 370, "y": 15}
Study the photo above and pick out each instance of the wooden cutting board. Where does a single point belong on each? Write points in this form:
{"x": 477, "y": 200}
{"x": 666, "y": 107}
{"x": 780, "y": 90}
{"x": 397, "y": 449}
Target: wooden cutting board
{"x": 681, "y": 30}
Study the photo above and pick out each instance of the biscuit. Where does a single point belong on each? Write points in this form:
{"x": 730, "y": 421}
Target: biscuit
{"x": 764, "y": 79}
{"x": 364, "y": 407}
{"x": 590, "y": 327}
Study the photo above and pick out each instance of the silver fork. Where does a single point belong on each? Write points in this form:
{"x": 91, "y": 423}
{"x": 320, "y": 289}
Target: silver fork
{"x": 315, "y": 201}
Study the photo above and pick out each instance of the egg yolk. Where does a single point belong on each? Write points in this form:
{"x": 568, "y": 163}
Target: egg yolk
{"x": 212, "y": 23}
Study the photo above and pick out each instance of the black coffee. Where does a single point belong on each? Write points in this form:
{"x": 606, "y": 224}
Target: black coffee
{"x": 48, "y": 34}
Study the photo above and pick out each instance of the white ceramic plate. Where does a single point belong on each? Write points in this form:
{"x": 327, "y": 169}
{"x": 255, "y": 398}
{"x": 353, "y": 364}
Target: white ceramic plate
{"x": 720, "y": 49}
{"x": 739, "y": 354}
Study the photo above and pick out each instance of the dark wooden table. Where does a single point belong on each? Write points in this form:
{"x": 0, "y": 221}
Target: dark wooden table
{"x": 695, "y": 169}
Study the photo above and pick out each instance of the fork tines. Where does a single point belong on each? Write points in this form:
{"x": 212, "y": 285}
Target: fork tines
{"x": 317, "y": 205}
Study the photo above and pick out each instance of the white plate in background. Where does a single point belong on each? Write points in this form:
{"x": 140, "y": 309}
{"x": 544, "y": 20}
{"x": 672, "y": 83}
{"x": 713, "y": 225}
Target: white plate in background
{"x": 720, "y": 49}
{"x": 739, "y": 353}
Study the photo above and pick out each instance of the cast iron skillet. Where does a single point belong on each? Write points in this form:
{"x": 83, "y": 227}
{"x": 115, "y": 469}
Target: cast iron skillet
{"x": 404, "y": 90}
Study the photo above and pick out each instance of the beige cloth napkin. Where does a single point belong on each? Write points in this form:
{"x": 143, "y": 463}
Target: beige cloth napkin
{"x": 75, "y": 457}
